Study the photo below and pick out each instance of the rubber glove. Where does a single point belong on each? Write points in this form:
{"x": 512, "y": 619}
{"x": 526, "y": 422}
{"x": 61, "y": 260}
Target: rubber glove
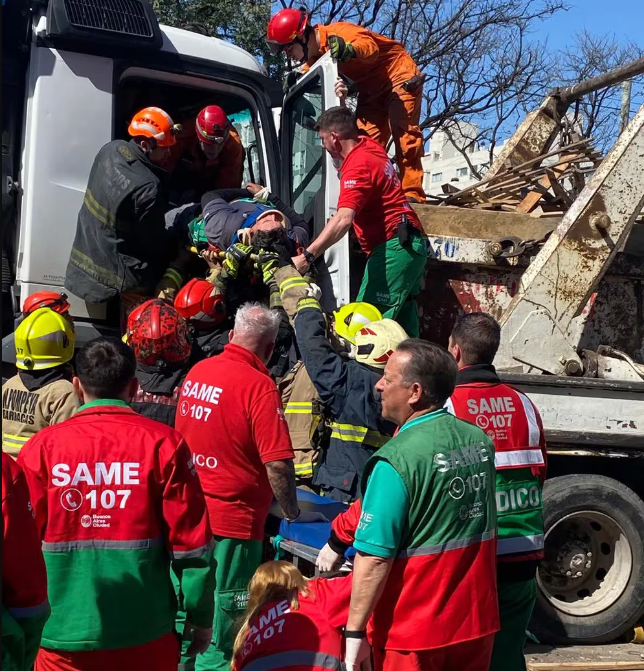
{"x": 357, "y": 654}
{"x": 327, "y": 559}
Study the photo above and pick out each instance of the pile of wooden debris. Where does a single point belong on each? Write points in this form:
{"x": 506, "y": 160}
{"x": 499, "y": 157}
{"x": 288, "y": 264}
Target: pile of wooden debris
{"x": 543, "y": 186}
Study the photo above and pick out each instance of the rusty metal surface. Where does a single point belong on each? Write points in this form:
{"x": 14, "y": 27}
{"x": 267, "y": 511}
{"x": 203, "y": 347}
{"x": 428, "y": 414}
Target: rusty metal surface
{"x": 446, "y": 221}
{"x": 558, "y": 283}
{"x": 616, "y": 76}
{"x": 613, "y": 315}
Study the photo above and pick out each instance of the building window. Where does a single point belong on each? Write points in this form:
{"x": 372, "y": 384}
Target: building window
{"x": 437, "y": 176}
{"x": 462, "y": 172}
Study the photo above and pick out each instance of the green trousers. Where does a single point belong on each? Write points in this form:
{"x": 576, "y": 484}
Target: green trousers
{"x": 392, "y": 279}
{"x": 237, "y": 561}
{"x": 516, "y": 602}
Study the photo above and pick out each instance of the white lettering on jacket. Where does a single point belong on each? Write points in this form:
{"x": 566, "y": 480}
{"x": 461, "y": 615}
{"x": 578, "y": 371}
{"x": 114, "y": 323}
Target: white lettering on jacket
{"x": 461, "y": 457}
{"x": 497, "y": 404}
{"x": 201, "y": 391}
{"x": 117, "y": 474}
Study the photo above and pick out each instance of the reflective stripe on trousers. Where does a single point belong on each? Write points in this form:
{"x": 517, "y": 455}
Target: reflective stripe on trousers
{"x": 282, "y": 660}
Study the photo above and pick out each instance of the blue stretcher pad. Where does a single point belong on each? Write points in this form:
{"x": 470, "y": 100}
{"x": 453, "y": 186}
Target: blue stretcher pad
{"x": 312, "y": 534}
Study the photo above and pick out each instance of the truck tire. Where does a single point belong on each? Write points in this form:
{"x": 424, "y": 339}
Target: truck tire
{"x": 591, "y": 581}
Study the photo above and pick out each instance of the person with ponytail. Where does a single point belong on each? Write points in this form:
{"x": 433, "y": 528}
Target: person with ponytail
{"x": 291, "y": 621}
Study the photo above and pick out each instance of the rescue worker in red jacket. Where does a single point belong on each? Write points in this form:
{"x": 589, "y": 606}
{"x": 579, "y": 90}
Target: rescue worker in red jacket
{"x": 390, "y": 85}
{"x": 231, "y": 416}
{"x": 425, "y": 567}
{"x": 208, "y": 155}
{"x": 388, "y": 229}
{"x": 160, "y": 340}
{"x": 118, "y": 503}
{"x": 291, "y": 621}
{"x": 512, "y": 421}
{"x": 25, "y": 608}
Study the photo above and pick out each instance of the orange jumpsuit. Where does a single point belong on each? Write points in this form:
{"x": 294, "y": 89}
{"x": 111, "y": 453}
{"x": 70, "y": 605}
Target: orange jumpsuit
{"x": 385, "y": 109}
{"x": 192, "y": 169}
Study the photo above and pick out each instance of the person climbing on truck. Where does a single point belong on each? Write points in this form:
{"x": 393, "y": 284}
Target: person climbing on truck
{"x": 345, "y": 386}
{"x": 41, "y": 393}
{"x": 373, "y": 203}
{"x": 389, "y": 83}
{"x": 121, "y": 248}
{"x": 208, "y": 154}
{"x": 513, "y": 422}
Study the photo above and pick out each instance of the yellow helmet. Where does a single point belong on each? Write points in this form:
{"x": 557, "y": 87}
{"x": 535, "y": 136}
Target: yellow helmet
{"x": 349, "y": 319}
{"x": 376, "y": 342}
{"x": 44, "y": 339}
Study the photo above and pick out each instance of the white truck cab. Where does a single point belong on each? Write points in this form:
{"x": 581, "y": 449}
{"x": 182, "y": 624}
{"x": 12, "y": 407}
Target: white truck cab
{"x": 80, "y": 72}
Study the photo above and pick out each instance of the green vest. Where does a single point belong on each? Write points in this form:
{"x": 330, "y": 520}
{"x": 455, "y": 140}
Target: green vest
{"x": 447, "y": 466}
{"x": 442, "y": 586}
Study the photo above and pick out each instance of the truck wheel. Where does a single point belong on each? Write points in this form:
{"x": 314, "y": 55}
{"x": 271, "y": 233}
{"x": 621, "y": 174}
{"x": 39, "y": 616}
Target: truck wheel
{"x": 591, "y": 581}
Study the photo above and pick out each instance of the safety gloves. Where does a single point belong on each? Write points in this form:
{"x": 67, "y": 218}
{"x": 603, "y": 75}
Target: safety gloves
{"x": 199, "y": 637}
{"x": 340, "y": 50}
{"x": 268, "y": 263}
{"x": 236, "y": 256}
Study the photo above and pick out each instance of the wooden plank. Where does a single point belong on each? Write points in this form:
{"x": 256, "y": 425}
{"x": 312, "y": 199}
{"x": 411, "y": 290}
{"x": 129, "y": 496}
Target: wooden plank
{"x": 532, "y": 199}
{"x": 586, "y": 666}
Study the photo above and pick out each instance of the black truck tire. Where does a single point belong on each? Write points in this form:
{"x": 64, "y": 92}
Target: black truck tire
{"x": 591, "y": 581}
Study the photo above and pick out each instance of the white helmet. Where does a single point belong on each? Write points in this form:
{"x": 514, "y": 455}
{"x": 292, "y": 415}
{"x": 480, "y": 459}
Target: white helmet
{"x": 377, "y": 341}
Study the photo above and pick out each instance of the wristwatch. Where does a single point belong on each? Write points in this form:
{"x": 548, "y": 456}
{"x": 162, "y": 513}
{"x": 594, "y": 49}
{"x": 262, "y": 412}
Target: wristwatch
{"x": 310, "y": 258}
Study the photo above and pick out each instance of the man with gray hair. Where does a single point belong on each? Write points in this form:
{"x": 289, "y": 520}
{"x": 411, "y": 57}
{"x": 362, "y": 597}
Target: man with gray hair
{"x": 231, "y": 416}
{"x": 425, "y": 573}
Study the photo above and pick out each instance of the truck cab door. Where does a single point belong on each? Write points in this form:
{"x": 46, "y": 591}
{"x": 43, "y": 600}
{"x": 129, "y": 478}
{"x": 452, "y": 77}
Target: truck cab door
{"x": 309, "y": 182}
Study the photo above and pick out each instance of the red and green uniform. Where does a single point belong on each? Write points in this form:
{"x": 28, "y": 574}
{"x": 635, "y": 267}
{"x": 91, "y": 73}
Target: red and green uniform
{"x": 117, "y": 502}
{"x": 512, "y": 421}
{"x": 230, "y": 413}
{"x": 25, "y": 608}
{"x": 306, "y": 639}
{"x": 444, "y": 554}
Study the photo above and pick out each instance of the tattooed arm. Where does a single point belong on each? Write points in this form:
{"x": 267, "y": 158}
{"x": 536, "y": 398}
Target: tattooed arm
{"x": 281, "y": 475}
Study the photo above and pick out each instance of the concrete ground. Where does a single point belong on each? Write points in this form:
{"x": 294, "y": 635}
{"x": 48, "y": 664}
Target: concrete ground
{"x": 611, "y": 654}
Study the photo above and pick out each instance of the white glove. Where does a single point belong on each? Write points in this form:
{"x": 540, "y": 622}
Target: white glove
{"x": 261, "y": 196}
{"x": 327, "y": 559}
{"x": 357, "y": 654}
{"x": 314, "y": 291}
{"x": 199, "y": 637}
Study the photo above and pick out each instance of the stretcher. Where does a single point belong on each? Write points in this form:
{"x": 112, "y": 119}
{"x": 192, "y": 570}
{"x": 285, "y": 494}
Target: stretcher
{"x": 300, "y": 543}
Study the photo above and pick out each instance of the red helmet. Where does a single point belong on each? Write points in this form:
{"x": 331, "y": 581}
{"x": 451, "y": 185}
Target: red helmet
{"x": 213, "y": 126}
{"x": 201, "y": 303}
{"x": 285, "y": 27}
{"x": 157, "y": 332}
{"x": 46, "y": 299}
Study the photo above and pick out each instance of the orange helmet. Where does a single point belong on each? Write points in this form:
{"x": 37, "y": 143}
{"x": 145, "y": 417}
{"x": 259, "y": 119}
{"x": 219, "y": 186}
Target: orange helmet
{"x": 154, "y": 122}
{"x": 46, "y": 299}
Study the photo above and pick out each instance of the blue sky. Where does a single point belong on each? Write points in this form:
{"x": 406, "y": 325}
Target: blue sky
{"x": 623, "y": 18}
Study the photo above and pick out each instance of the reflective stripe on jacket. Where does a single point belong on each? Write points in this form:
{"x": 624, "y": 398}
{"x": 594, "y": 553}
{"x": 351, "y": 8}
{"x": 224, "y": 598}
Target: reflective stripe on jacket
{"x": 513, "y": 422}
